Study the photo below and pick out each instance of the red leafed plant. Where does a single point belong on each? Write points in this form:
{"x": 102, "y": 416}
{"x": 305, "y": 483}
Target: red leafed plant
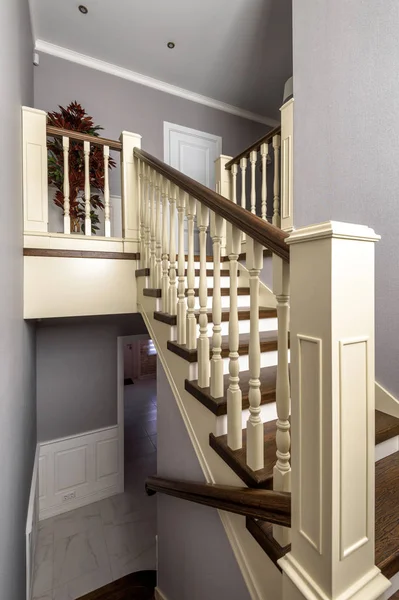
{"x": 75, "y": 118}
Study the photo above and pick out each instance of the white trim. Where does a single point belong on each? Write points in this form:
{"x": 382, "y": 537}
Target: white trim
{"x": 111, "y": 69}
{"x": 31, "y": 526}
{"x": 333, "y": 229}
{"x": 385, "y": 401}
{"x": 392, "y": 590}
{"x": 168, "y": 128}
{"x": 159, "y": 595}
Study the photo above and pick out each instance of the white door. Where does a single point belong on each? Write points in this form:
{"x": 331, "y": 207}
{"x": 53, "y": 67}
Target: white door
{"x": 193, "y": 153}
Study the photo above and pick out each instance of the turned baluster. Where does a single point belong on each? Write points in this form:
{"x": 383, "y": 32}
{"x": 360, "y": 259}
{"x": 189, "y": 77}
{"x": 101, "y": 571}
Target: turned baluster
{"x": 165, "y": 247}
{"x": 148, "y": 216}
{"x": 276, "y": 182}
{"x": 153, "y": 193}
{"x": 255, "y": 454}
{"x": 191, "y": 320}
{"x": 182, "y": 198}
{"x": 253, "y": 157}
{"x": 67, "y": 206}
{"x": 264, "y": 149}
{"x": 234, "y": 395}
{"x": 217, "y": 361}
{"x": 172, "y": 250}
{"x": 243, "y": 167}
{"x": 203, "y": 340}
{"x": 146, "y": 258}
{"x": 142, "y": 213}
{"x": 107, "y": 209}
{"x": 158, "y": 233}
{"x": 234, "y": 171}
{"x": 86, "y": 152}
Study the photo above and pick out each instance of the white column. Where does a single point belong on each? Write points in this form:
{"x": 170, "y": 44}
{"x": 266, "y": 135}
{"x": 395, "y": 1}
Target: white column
{"x": 217, "y": 361}
{"x": 243, "y": 167}
{"x": 130, "y": 192}
{"x": 264, "y": 150}
{"x": 165, "y": 247}
{"x": 287, "y": 166}
{"x": 172, "y": 250}
{"x": 34, "y": 169}
{"x": 182, "y": 198}
{"x": 276, "y": 181}
{"x": 255, "y": 441}
{"x": 203, "y": 340}
{"x": 253, "y": 157}
{"x": 107, "y": 214}
{"x": 153, "y": 244}
{"x": 333, "y": 427}
{"x": 282, "y": 469}
{"x": 67, "y": 206}
{"x": 191, "y": 320}
{"x": 158, "y": 233}
{"x": 234, "y": 395}
{"x": 86, "y": 152}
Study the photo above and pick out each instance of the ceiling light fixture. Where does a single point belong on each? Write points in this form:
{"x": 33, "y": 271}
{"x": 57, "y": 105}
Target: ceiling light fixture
{"x": 170, "y": 45}
{"x": 83, "y": 9}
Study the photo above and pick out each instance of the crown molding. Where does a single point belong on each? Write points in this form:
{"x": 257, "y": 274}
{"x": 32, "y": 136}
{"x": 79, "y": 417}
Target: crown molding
{"x": 111, "y": 69}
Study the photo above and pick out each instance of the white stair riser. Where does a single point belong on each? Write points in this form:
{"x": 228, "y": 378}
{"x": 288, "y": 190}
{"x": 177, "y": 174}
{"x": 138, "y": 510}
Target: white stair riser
{"x": 243, "y": 326}
{"x": 224, "y": 282}
{"x": 268, "y": 412}
{"x": 386, "y": 448}
{"x": 242, "y": 302}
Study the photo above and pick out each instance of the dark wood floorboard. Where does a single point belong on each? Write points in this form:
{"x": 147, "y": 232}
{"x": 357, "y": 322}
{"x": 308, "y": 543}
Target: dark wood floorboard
{"x": 136, "y": 586}
{"x": 386, "y": 515}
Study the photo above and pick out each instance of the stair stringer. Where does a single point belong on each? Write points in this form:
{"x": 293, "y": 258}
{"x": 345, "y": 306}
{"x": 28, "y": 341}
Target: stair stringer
{"x": 263, "y": 579}
{"x": 385, "y": 402}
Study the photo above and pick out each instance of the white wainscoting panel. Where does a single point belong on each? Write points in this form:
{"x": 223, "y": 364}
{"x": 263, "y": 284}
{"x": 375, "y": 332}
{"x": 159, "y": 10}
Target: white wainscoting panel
{"x": 78, "y": 470}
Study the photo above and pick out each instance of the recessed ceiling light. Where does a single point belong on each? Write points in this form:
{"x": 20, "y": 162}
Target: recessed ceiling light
{"x": 83, "y": 9}
{"x": 171, "y": 45}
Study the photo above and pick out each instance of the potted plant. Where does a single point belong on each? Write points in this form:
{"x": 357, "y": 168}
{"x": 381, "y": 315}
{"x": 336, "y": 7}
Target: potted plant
{"x": 75, "y": 118}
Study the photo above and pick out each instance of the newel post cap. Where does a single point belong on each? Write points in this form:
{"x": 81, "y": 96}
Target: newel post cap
{"x": 333, "y": 229}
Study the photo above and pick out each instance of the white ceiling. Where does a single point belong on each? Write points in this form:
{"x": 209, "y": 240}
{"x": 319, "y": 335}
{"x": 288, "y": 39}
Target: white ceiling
{"x": 235, "y": 51}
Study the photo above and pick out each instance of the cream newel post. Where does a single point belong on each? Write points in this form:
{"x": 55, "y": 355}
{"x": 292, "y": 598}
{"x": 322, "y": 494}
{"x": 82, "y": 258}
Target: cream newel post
{"x": 130, "y": 191}
{"x": 234, "y": 395}
{"x": 107, "y": 212}
{"x": 158, "y": 233}
{"x": 141, "y": 188}
{"x": 203, "y": 340}
{"x": 67, "y": 217}
{"x": 147, "y": 200}
{"x": 255, "y": 443}
{"x": 333, "y": 443}
{"x": 243, "y": 167}
{"x": 191, "y": 320}
{"x": 172, "y": 250}
{"x": 182, "y": 198}
{"x": 282, "y": 469}
{"x": 253, "y": 157}
{"x": 34, "y": 161}
{"x": 217, "y": 361}
{"x": 264, "y": 150}
{"x": 165, "y": 246}
{"x": 86, "y": 152}
{"x": 276, "y": 181}
{"x": 287, "y": 159}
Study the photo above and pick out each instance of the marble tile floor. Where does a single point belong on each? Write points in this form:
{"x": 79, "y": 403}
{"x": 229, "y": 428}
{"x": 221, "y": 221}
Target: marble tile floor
{"x": 84, "y": 549}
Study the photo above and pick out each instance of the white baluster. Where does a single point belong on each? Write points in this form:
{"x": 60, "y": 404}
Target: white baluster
{"x": 243, "y": 166}
{"x": 148, "y": 216}
{"x": 191, "y": 320}
{"x": 86, "y": 152}
{"x": 276, "y": 183}
{"x": 282, "y": 469}
{"x": 172, "y": 250}
{"x": 264, "y": 149}
{"x": 255, "y": 451}
{"x": 165, "y": 247}
{"x": 67, "y": 206}
{"x": 153, "y": 194}
{"x": 234, "y": 171}
{"x": 107, "y": 212}
{"x": 253, "y": 157}
{"x": 158, "y": 233}
{"x": 203, "y": 341}
{"x": 234, "y": 395}
{"x": 217, "y": 361}
{"x": 181, "y": 306}
{"x": 141, "y": 169}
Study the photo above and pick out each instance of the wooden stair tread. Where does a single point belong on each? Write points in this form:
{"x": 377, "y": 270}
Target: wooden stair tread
{"x": 243, "y": 315}
{"x": 386, "y": 515}
{"x": 386, "y": 426}
{"x": 236, "y": 459}
{"x": 268, "y": 343}
{"x": 135, "y": 586}
{"x": 219, "y": 405}
{"x": 142, "y": 272}
{"x": 152, "y": 293}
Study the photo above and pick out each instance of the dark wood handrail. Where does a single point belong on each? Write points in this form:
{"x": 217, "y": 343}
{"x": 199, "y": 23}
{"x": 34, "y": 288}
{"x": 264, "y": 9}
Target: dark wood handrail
{"x": 256, "y": 146}
{"x": 83, "y": 137}
{"x": 274, "y": 507}
{"x": 261, "y": 231}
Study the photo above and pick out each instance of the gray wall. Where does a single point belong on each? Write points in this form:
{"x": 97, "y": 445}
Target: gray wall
{"x": 347, "y": 138}
{"x": 17, "y": 368}
{"x": 195, "y": 559}
{"x": 77, "y": 373}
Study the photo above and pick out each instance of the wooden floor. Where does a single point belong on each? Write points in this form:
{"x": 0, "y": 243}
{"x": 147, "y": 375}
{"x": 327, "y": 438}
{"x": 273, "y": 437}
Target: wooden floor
{"x": 136, "y": 586}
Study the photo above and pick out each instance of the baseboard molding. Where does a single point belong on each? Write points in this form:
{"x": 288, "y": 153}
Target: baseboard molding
{"x": 159, "y": 595}
{"x": 385, "y": 402}
{"x": 79, "y": 470}
{"x": 32, "y": 520}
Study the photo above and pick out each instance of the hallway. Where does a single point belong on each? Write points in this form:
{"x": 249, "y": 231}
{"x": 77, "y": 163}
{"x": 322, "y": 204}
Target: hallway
{"x": 86, "y": 548}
